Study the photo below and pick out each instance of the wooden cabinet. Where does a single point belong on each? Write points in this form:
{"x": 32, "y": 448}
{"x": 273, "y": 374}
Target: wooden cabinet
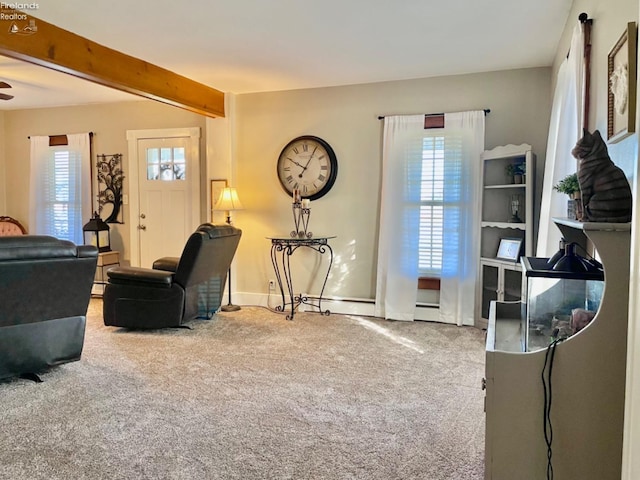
{"x": 589, "y": 367}
{"x": 507, "y": 213}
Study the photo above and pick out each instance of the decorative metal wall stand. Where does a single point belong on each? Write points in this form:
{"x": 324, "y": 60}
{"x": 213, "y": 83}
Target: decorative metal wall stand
{"x": 110, "y": 179}
{"x": 301, "y": 217}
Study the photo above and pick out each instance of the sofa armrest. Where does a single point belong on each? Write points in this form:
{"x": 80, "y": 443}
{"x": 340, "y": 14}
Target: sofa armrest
{"x": 169, "y": 264}
{"x": 87, "y": 251}
{"x": 140, "y": 276}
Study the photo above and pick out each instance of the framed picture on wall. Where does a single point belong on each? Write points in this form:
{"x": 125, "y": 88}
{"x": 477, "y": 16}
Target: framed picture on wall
{"x": 509, "y": 249}
{"x": 621, "y": 95}
{"x": 217, "y": 185}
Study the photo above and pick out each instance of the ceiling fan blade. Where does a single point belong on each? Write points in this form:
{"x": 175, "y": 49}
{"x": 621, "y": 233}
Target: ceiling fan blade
{"x": 4, "y": 85}
{"x": 4, "y": 96}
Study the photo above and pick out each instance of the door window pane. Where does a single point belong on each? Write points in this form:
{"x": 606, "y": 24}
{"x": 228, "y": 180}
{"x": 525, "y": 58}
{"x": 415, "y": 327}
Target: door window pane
{"x": 166, "y": 164}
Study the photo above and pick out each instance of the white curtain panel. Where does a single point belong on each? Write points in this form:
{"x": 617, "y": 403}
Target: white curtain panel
{"x": 79, "y": 144}
{"x": 464, "y": 144}
{"x": 564, "y": 131}
{"x": 38, "y": 168}
{"x": 397, "y": 278}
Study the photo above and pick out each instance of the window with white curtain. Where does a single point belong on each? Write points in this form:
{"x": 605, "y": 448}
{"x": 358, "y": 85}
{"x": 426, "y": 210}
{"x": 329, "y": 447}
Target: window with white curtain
{"x": 429, "y": 215}
{"x": 60, "y": 187}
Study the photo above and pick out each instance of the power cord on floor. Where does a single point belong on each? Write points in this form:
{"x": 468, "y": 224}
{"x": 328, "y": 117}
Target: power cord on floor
{"x": 546, "y": 384}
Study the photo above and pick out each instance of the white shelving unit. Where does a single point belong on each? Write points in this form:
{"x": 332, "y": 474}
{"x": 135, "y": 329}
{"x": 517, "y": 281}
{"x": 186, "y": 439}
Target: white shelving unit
{"x": 499, "y": 279}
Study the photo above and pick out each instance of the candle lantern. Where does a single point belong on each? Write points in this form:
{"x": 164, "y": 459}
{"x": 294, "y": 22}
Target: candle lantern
{"x": 514, "y": 208}
{"x": 96, "y": 232}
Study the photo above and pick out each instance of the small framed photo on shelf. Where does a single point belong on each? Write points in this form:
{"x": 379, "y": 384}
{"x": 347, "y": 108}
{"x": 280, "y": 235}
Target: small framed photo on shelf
{"x": 621, "y": 91}
{"x": 509, "y": 249}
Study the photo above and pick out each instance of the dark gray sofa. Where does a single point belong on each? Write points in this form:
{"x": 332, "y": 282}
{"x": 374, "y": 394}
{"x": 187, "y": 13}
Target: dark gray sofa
{"x": 175, "y": 290}
{"x": 45, "y": 288}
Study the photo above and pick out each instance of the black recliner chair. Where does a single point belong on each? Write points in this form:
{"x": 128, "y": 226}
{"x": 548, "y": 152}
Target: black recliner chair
{"x": 175, "y": 290}
{"x": 45, "y": 288}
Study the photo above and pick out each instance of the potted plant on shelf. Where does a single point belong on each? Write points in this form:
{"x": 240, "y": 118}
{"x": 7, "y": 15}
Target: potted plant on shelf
{"x": 516, "y": 172}
{"x": 569, "y": 185}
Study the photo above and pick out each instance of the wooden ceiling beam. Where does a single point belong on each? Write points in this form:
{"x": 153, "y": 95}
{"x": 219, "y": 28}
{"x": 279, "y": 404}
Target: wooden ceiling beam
{"x": 53, "y": 47}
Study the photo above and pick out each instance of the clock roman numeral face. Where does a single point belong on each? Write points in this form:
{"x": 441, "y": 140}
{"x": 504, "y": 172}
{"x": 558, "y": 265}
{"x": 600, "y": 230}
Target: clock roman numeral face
{"x": 307, "y": 164}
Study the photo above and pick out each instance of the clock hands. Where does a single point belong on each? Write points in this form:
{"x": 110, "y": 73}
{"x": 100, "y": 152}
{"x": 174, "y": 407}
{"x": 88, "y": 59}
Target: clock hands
{"x": 304, "y": 167}
{"x": 296, "y": 163}
{"x": 308, "y": 161}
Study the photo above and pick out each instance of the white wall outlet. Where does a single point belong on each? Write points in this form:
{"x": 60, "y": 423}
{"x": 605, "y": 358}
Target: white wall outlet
{"x": 272, "y": 285}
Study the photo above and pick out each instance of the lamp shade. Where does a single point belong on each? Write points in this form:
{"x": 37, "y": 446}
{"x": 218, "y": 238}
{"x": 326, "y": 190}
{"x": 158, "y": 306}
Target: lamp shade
{"x": 228, "y": 200}
{"x": 96, "y": 233}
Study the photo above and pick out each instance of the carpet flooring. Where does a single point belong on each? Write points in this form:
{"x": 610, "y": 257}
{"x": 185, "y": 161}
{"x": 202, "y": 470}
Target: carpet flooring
{"x": 250, "y": 395}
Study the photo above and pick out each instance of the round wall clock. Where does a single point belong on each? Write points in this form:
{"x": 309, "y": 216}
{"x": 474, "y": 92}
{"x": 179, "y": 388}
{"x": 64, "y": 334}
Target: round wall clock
{"x": 309, "y": 164}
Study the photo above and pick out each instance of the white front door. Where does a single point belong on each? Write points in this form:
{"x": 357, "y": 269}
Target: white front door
{"x": 165, "y": 204}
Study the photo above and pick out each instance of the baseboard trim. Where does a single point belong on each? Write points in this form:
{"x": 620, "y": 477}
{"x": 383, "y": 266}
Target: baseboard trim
{"x": 344, "y": 306}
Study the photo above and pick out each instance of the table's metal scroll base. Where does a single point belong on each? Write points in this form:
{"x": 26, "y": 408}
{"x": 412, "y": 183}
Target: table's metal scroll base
{"x": 281, "y": 251}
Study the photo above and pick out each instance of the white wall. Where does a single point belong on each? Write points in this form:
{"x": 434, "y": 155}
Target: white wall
{"x": 347, "y": 118}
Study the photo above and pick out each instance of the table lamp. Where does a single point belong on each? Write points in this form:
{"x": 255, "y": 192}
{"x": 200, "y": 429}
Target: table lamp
{"x": 228, "y": 201}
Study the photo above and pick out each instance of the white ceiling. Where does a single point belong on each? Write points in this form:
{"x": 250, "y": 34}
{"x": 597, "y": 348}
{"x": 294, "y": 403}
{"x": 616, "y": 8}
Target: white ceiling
{"x": 243, "y": 46}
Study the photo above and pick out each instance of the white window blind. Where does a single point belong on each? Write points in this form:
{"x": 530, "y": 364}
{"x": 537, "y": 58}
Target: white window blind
{"x": 431, "y": 206}
{"x": 440, "y": 189}
{"x": 62, "y": 198}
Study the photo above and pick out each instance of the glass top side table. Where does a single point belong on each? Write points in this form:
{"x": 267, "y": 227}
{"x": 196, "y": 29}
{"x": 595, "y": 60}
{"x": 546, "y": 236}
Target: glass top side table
{"x": 282, "y": 247}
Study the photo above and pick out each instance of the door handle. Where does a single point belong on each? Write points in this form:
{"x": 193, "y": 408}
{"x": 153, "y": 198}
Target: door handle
{"x": 142, "y": 215}
{"x": 142, "y": 227}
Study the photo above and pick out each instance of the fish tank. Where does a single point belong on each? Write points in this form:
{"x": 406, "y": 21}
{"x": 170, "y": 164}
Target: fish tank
{"x": 560, "y": 301}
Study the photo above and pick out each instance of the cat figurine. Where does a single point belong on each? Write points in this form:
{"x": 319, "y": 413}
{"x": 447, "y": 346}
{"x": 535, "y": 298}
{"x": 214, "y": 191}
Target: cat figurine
{"x": 606, "y": 194}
